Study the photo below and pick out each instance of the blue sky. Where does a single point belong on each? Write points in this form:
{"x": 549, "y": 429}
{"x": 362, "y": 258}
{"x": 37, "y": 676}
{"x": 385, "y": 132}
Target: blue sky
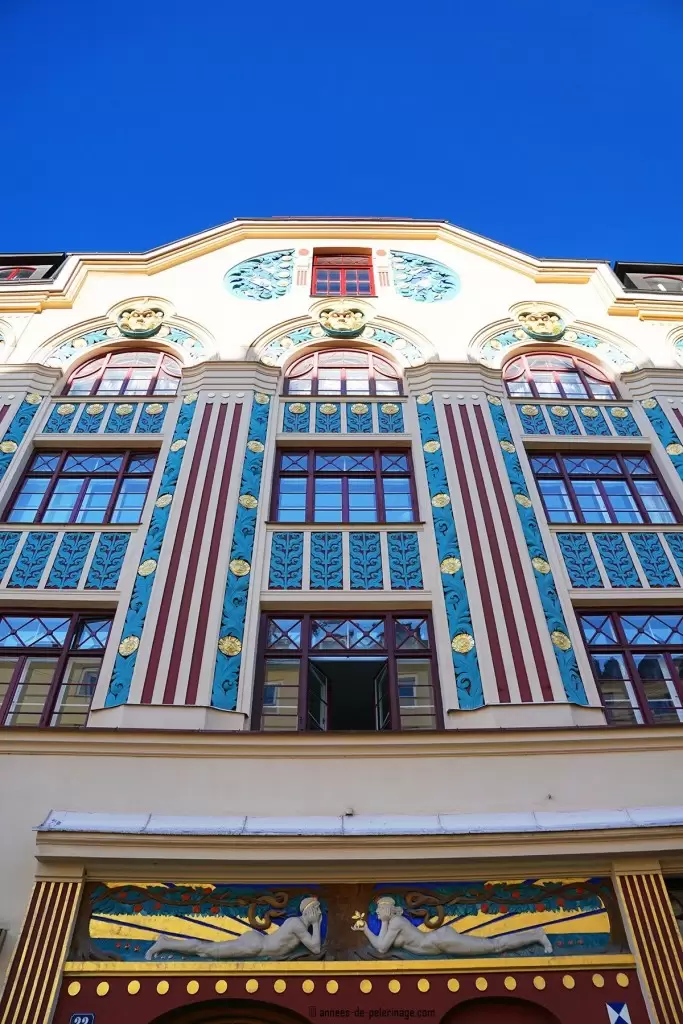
{"x": 552, "y": 126}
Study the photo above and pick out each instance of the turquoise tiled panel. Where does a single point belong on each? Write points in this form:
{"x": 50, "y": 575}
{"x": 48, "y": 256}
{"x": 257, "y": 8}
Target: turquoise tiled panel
{"x": 297, "y": 418}
{"x": 286, "y": 561}
{"x": 562, "y": 419}
{"x": 594, "y": 422}
{"x": 623, "y": 421}
{"x": 665, "y": 432}
{"x": 390, "y": 418}
{"x": 653, "y": 560}
{"x": 8, "y": 544}
{"x": 326, "y": 561}
{"x": 105, "y": 567}
{"x": 579, "y": 560}
{"x": 69, "y": 562}
{"x": 327, "y": 417}
{"x": 532, "y": 419}
{"x": 32, "y": 560}
{"x": 675, "y": 542}
{"x": 358, "y": 418}
{"x": 405, "y": 569}
{"x": 91, "y": 418}
{"x": 120, "y": 422}
{"x": 59, "y": 422}
{"x": 16, "y": 431}
{"x": 365, "y": 558}
{"x": 152, "y": 417}
{"x": 616, "y": 560}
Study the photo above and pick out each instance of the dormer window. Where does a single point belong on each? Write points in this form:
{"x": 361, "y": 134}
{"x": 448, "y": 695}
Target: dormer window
{"x": 337, "y": 274}
{"x": 15, "y": 274}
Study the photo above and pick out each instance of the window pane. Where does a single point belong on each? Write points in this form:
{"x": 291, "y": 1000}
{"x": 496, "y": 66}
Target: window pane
{"x": 394, "y": 463}
{"x": 357, "y": 382}
{"x": 601, "y": 390}
{"x": 398, "y": 501}
{"x": 284, "y": 634}
{"x": 293, "y": 463}
{"x": 598, "y": 629}
{"x": 109, "y": 464}
{"x": 328, "y": 500}
{"x": 557, "y": 502}
{"x": 139, "y": 381}
{"x": 348, "y": 462}
{"x": 571, "y": 385}
{"x": 92, "y": 634}
{"x": 63, "y": 500}
{"x": 387, "y": 387}
{"x": 593, "y": 465}
{"x": 545, "y": 384}
{"x": 362, "y": 500}
{"x": 28, "y": 500}
{"x": 591, "y": 501}
{"x": 519, "y": 388}
{"x": 658, "y": 629}
{"x": 300, "y": 387}
{"x": 660, "y": 692}
{"x": 347, "y": 634}
{"x": 657, "y": 506}
{"x": 7, "y": 667}
{"x": 292, "y": 500}
{"x": 76, "y": 692}
{"x": 44, "y": 463}
{"x": 281, "y": 695}
{"x": 33, "y": 631}
{"x": 31, "y": 692}
{"x": 166, "y": 386}
{"x": 622, "y": 501}
{"x": 412, "y": 634}
{"x": 415, "y": 694}
{"x": 544, "y": 464}
{"x": 616, "y": 689}
{"x": 112, "y": 381}
{"x": 130, "y": 500}
{"x": 141, "y": 464}
{"x": 95, "y": 501}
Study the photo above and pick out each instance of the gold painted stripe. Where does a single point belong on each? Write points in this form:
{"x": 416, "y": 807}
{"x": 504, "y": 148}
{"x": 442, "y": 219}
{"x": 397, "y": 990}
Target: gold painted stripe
{"x": 51, "y": 969}
{"x": 68, "y": 933}
{"x": 668, "y": 914}
{"x": 644, "y": 945}
{"x": 646, "y": 969}
{"x": 650, "y": 885}
{"x": 35, "y": 967}
{"x": 659, "y": 948}
{"x": 20, "y": 947}
{"x": 646, "y": 917}
{"x": 28, "y": 939}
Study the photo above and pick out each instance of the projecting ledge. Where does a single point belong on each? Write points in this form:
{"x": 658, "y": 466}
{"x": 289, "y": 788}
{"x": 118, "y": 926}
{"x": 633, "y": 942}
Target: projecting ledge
{"x": 167, "y": 716}
{"x": 524, "y": 716}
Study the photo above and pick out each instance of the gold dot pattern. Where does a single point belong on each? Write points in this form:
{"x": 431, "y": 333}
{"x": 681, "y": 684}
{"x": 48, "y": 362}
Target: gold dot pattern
{"x": 74, "y": 988}
{"x": 192, "y": 988}
{"x": 102, "y": 988}
{"x": 482, "y": 984}
{"x": 453, "y": 985}
{"x": 133, "y": 987}
{"x": 163, "y": 987}
{"x": 395, "y": 986}
{"x": 366, "y": 986}
{"x": 622, "y": 980}
{"x": 308, "y": 985}
{"x": 332, "y": 986}
{"x": 510, "y": 984}
{"x": 568, "y": 981}
{"x": 280, "y": 985}
{"x": 539, "y": 982}
{"x": 423, "y": 985}
{"x": 221, "y": 986}
{"x": 252, "y": 985}
{"x": 598, "y": 981}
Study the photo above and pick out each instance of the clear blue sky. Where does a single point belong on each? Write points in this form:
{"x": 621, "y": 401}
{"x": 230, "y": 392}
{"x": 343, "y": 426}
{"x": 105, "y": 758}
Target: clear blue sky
{"x": 553, "y": 126}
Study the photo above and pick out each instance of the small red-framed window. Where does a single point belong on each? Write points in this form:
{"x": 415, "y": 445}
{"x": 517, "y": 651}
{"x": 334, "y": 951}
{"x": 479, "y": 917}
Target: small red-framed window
{"x": 556, "y": 375}
{"x": 339, "y": 274}
{"x": 142, "y": 372}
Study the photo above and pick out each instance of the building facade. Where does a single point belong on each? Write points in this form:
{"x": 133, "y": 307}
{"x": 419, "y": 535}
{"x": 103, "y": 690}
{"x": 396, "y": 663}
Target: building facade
{"x": 341, "y": 631}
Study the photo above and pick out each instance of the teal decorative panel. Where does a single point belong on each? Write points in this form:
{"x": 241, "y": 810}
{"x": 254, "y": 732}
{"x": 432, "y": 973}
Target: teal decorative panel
{"x": 91, "y": 418}
{"x": 423, "y": 279}
{"x": 463, "y": 649}
{"x": 532, "y": 419}
{"x": 675, "y": 543}
{"x": 297, "y": 418}
{"x": 358, "y": 418}
{"x": 668, "y": 437}
{"x": 32, "y": 560}
{"x": 327, "y": 418}
{"x": 579, "y": 560}
{"x": 623, "y": 421}
{"x": 68, "y": 564}
{"x": 390, "y": 418}
{"x": 107, "y": 562}
{"x": 17, "y": 430}
{"x": 229, "y": 654}
{"x": 264, "y": 277}
{"x": 61, "y": 418}
{"x": 552, "y": 609}
{"x": 122, "y": 674}
{"x": 365, "y": 559}
{"x": 286, "y": 561}
{"x": 653, "y": 559}
{"x": 562, "y": 419}
{"x": 120, "y": 419}
{"x": 61, "y": 355}
{"x": 616, "y": 559}
{"x": 277, "y": 350}
{"x": 326, "y": 561}
{"x": 594, "y": 422}
{"x": 8, "y": 543}
{"x": 493, "y": 349}
{"x": 405, "y": 569}
{"x": 152, "y": 417}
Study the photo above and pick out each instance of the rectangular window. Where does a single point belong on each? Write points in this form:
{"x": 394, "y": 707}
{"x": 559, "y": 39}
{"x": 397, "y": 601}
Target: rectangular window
{"x": 344, "y": 487}
{"x": 49, "y": 666}
{"x": 327, "y": 673}
{"x": 83, "y": 487}
{"x": 637, "y": 661}
{"x": 602, "y": 488}
{"x": 340, "y": 274}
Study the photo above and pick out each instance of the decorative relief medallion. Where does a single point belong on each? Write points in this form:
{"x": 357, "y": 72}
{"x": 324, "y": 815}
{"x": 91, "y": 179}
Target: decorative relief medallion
{"x": 649, "y": 403}
{"x": 95, "y": 409}
{"x": 128, "y": 646}
{"x": 66, "y": 409}
{"x": 423, "y": 399}
{"x": 327, "y": 409}
{"x": 674, "y": 448}
{"x": 163, "y": 500}
{"x": 619, "y": 413}
{"x": 255, "y": 446}
{"x": 8, "y": 447}
{"x": 422, "y": 279}
{"x": 540, "y": 565}
{"x": 390, "y": 409}
{"x": 561, "y": 640}
{"x": 530, "y": 410}
{"x": 507, "y": 446}
{"x": 297, "y": 408}
{"x": 462, "y": 643}
{"x": 190, "y": 397}
{"x": 230, "y": 646}
{"x": 34, "y": 399}
{"x": 431, "y": 446}
{"x": 342, "y": 319}
{"x": 359, "y": 409}
{"x": 248, "y": 501}
{"x": 559, "y": 410}
{"x": 178, "y": 445}
{"x": 541, "y": 322}
{"x": 260, "y": 398}
{"x": 240, "y": 567}
{"x": 589, "y": 412}
{"x": 441, "y": 500}
{"x": 264, "y": 277}
{"x": 147, "y": 567}
{"x": 449, "y": 566}
{"x": 523, "y": 500}
{"x": 154, "y": 409}
{"x": 494, "y": 400}
{"x": 123, "y": 410}
{"x": 140, "y": 321}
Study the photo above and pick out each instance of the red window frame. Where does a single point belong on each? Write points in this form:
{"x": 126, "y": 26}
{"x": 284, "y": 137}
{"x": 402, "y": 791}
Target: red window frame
{"x": 15, "y": 274}
{"x": 567, "y": 478}
{"x": 311, "y": 474}
{"x": 374, "y": 373}
{"x": 586, "y": 371}
{"x": 58, "y": 474}
{"x": 344, "y": 263}
{"x": 305, "y": 652}
{"x": 62, "y": 652}
{"x": 161, "y": 371}
{"x": 627, "y": 650}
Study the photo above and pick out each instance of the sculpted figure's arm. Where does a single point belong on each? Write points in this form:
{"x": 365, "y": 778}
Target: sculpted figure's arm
{"x": 311, "y": 916}
{"x": 382, "y": 942}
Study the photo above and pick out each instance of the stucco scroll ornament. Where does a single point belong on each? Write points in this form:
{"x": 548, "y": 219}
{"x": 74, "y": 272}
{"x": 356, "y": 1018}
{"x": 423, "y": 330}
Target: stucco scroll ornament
{"x": 277, "y": 945}
{"x": 342, "y": 320}
{"x": 140, "y": 321}
{"x": 539, "y": 322}
{"x": 397, "y": 932}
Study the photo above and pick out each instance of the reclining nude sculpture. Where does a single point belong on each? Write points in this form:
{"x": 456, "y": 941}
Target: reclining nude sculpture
{"x": 271, "y": 946}
{"x": 397, "y": 932}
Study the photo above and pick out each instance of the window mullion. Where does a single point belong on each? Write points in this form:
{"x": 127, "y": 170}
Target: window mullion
{"x": 632, "y": 488}
{"x": 310, "y": 487}
{"x": 125, "y": 461}
{"x": 303, "y": 673}
{"x": 569, "y": 485}
{"x": 58, "y": 674}
{"x": 638, "y": 686}
{"x": 49, "y": 490}
{"x": 379, "y": 488}
{"x": 392, "y": 668}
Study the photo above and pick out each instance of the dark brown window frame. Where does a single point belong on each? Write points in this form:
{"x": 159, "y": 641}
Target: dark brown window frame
{"x": 159, "y": 371}
{"x": 580, "y": 367}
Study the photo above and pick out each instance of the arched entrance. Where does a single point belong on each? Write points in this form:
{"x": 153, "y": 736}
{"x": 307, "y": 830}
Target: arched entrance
{"x": 230, "y": 1011}
{"x": 499, "y": 1011}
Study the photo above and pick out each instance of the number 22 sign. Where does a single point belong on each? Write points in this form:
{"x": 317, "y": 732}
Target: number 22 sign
{"x": 82, "y": 1018}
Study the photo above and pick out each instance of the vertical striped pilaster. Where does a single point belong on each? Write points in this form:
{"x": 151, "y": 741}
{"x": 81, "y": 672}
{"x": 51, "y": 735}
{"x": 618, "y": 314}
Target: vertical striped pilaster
{"x": 36, "y": 965}
{"x": 658, "y": 943}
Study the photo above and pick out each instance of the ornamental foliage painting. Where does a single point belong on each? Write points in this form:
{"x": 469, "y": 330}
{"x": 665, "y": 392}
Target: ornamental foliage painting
{"x": 449, "y": 920}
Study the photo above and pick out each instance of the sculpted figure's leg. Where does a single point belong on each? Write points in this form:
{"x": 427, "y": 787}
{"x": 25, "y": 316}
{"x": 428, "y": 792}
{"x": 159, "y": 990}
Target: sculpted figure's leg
{"x": 523, "y": 939}
{"x": 165, "y": 942}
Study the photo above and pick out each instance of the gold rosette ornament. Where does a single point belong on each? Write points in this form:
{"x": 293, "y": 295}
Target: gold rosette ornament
{"x": 95, "y": 409}
{"x": 230, "y": 646}
{"x": 124, "y": 410}
{"x": 523, "y": 500}
{"x": 8, "y": 447}
{"x": 449, "y": 566}
{"x": 559, "y": 410}
{"x": 190, "y": 397}
{"x": 327, "y": 409}
{"x": 589, "y": 412}
{"x": 359, "y": 409}
{"x": 296, "y": 408}
{"x": 674, "y": 448}
{"x": 649, "y": 403}
{"x": 441, "y": 500}
{"x": 34, "y": 399}
{"x": 128, "y": 646}
{"x": 462, "y": 643}
{"x": 261, "y": 399}
{"x": 248, "y": 501}
{"x": 147, "y": 567}
{"x": 619, "y": 413}
{"x": 424, "y": 399}
{"x": 240, "y": 567}
{"x": 389, "y": 409}
{"x": 66, "y": 409}
{"x": 530, "y": 410}
{"x": 507, "y": 446}
{"x": 493, "y": 400}
{"x": 163, "y": 500}
{"x": 178, "y": 445}
{"x": 358, "y": 920}
{"x": 154, "y": 409}
{"x": 255, "y": 446}
{"x": 540, "y": 565}
{"x": 431, "y": 446}
{"x": 561, "y": 640}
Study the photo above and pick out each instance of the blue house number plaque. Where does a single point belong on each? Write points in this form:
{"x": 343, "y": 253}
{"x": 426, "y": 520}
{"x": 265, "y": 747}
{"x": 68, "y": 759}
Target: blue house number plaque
{"x": 82, "y": 1018}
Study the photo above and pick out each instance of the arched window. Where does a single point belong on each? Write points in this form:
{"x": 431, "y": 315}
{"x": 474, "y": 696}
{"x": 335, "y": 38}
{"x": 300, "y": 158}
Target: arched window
{"x": 127, "y": 373}
{"x": 17, "y": 273}
{"x": 556, "y": 376}
{"x": 343, "y": 372}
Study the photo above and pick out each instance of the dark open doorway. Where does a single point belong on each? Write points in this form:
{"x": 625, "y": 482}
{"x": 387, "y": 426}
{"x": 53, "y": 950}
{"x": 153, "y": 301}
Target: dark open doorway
{"x": 348, "y": 694}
